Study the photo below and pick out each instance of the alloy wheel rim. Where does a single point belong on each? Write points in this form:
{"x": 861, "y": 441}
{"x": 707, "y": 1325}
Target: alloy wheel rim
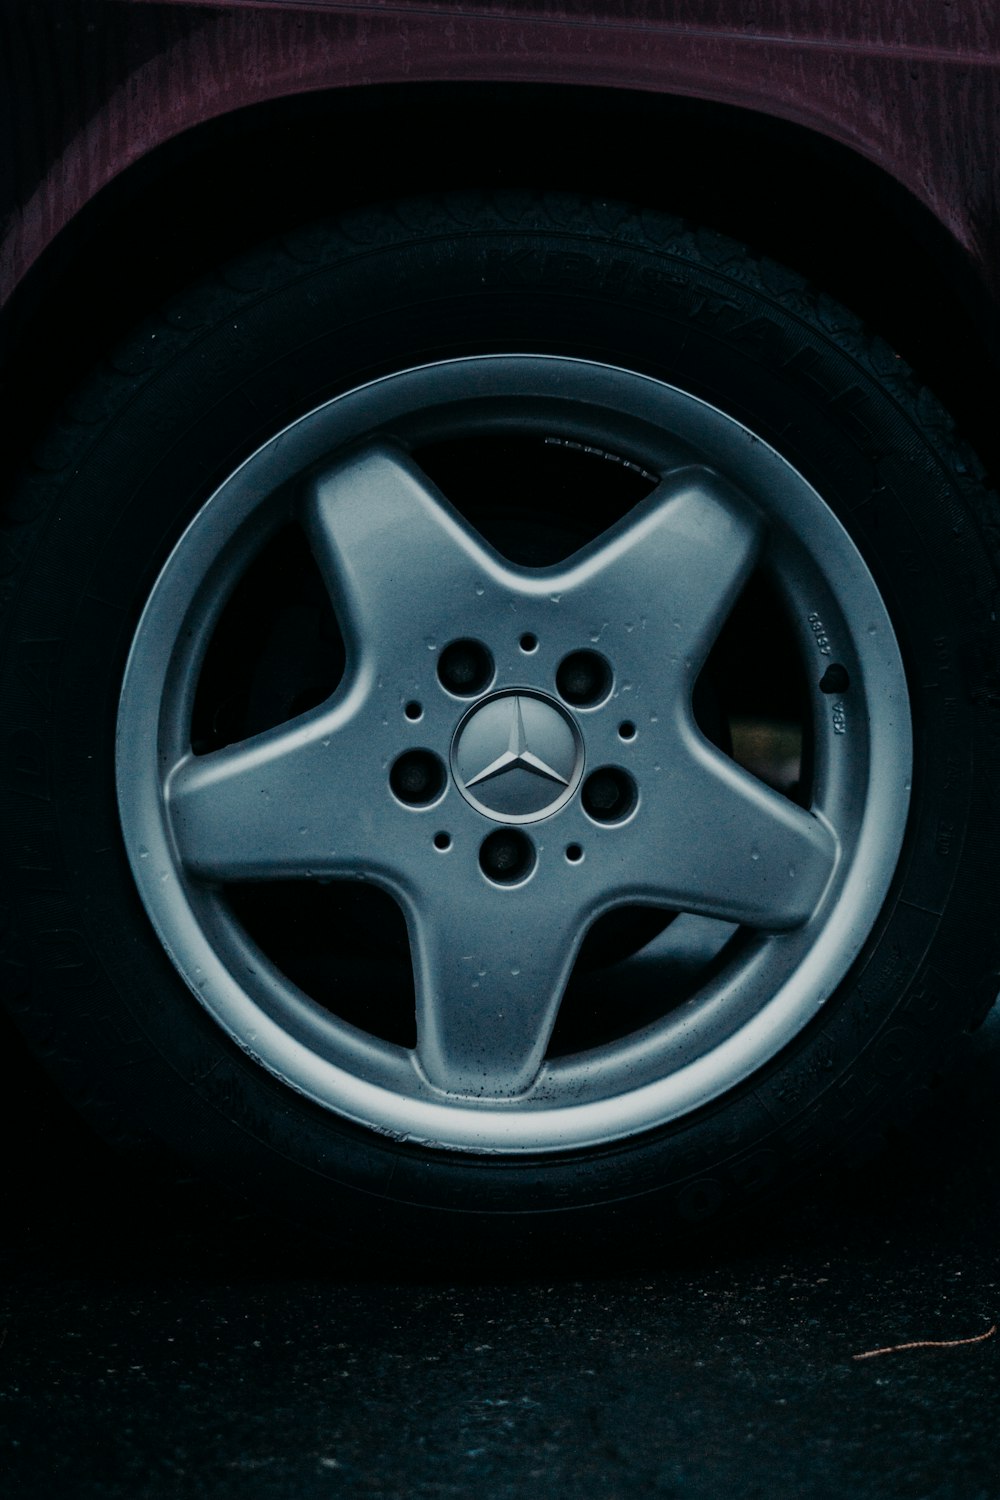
{"x": 480, "y": 1079}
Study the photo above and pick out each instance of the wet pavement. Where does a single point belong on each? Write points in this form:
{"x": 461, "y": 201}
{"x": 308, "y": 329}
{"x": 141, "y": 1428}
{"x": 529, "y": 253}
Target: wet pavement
{"x": 148, "y": 1351}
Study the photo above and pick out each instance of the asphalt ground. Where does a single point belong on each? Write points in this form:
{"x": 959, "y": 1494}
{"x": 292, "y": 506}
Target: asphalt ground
{"x": 150, "y": 1347}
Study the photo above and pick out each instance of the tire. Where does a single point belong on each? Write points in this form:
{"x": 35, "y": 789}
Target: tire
{"x": 501, "y": 725}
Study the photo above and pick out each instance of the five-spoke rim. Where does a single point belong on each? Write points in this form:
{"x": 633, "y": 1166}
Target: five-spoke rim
{"x": 513, "y": 751}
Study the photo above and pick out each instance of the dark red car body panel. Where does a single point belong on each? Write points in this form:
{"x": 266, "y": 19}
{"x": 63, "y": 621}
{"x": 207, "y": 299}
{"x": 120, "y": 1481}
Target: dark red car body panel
{"x": 914, "y": 88}
{"x": 95, "y": 87}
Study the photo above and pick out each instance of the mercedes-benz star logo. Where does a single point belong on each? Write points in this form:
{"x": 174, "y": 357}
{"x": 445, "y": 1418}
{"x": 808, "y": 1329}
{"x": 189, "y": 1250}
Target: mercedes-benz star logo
{"x": 517, "y": 752}
{"x": 517, "y": 757}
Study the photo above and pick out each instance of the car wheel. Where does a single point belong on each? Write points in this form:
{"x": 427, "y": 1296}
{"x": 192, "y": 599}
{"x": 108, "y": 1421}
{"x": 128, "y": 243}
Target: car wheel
{"x": 502, "y": 703}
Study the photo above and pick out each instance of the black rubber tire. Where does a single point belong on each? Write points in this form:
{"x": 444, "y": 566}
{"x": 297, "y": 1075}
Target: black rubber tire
{"x": 227, "y": 365}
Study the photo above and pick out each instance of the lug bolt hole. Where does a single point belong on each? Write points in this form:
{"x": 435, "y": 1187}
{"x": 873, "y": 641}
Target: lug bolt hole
{"x": 626, "y": 730}
{"x": 442, "y": 840}
{"x": 465, "y": 668}
{"x": 413, "y": 710}
{"x": 417, "y": 777}
{"x": 834, "y": 679}
{"x": 528, "y": 642}
{"x": 609, "y": 794}
{"x": 506, "y": 856}
{"x": 574, "y": 853}
{"x": 583, "y": 679}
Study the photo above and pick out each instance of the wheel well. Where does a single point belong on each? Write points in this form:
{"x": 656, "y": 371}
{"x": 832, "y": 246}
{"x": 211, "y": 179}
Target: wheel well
{"x": 788, "y": 192}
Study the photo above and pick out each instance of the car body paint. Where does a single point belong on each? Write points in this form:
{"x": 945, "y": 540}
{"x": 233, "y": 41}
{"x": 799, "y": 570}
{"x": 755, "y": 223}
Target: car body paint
{"x": 95, "y": 87}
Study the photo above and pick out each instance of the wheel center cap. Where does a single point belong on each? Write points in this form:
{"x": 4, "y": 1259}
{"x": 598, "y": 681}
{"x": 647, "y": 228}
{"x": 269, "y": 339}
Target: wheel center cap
{"x": 517, "y": 756}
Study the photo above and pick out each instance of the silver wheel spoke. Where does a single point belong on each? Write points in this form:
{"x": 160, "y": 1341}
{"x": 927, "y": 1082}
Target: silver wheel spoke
{"x": 675, "y": 565}
{"x": 732, "y": 847}
{"x": 490, "y": 969}
{"x": 292, "y": 802}
{"x": 392, "y": 550}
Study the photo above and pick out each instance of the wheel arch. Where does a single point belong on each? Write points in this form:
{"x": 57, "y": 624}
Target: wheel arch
{"x": 789, "y": 191}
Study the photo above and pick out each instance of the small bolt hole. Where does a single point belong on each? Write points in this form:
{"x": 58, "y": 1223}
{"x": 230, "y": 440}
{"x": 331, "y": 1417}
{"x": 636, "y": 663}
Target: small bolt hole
{"x": 417, "y": 778}
{"x": 609, "y": 795}
{"x": 506, "y": 856}
{"x": 574, "y": 853}
{"x": 413, "y": 710}
{"x": 834, "y": 679}
{"x": 442, "y": 840}
{"x": 528, "y": 642}
{"x": 584, "y": 679}
{"x": 626, "y": 730}
{"x": 465, "y": 668}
